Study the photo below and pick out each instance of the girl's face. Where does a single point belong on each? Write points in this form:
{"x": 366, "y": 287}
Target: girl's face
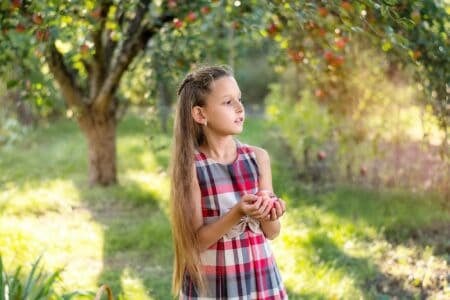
{"x": 223, "y": 110}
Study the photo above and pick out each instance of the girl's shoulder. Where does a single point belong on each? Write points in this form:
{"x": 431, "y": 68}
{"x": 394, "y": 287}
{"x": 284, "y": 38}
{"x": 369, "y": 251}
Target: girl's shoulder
{"x": 262, "y": 156}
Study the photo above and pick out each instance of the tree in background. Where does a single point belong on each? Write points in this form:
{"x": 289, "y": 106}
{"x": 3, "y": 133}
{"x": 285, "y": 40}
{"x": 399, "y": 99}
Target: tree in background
{"x": 88, "y": 46}
{"x": 356, "y": 60}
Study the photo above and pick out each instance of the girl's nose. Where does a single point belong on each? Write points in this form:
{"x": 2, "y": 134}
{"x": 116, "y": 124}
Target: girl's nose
{"x": 239, "y": 106}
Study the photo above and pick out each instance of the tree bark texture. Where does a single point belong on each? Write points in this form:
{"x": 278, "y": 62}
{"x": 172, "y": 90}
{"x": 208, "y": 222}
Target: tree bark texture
{"x": 100, "y": 135}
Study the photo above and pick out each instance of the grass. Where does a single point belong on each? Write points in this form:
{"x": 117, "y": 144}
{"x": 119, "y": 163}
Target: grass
{"x": 348, "y": 243}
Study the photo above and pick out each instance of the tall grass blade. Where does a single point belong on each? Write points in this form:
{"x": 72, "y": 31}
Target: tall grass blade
{"x": 31, "y": 281}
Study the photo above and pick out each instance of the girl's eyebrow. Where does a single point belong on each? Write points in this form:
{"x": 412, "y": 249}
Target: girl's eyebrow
{"x": 229, "y": 95}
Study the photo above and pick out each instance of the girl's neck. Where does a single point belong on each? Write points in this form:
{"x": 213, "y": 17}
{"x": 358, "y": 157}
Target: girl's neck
{"x": 220, "y": 149}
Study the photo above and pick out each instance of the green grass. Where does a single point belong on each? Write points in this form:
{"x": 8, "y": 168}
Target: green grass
{"x": 348, "y": 243}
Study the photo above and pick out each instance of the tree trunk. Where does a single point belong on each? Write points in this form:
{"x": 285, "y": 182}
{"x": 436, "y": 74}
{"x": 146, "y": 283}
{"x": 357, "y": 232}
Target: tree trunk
{"x": 100, "y": 134}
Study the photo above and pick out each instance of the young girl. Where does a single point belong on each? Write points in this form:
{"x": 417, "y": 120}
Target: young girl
{"x": 222, "y": 204}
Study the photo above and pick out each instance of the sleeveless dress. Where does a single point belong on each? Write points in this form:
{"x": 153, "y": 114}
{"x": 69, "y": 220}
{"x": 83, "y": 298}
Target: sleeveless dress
{"x": 240, "y": 265}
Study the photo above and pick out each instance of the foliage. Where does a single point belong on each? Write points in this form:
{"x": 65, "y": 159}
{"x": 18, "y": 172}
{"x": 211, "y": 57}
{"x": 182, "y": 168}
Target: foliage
{"x": 36, "y": 286}
{"x": 374, "y": 124}
{"x": 316, "y": 36}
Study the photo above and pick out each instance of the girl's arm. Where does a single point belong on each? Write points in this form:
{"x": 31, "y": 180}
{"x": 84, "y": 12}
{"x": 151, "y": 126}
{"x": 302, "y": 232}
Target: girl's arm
{"x": 210, "y": 233}
{"x": 271, "y": 227}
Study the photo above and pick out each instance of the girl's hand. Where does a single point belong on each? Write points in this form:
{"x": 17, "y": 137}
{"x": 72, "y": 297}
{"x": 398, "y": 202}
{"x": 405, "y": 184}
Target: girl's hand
{"x": 257, "y": 207}
{"x": 279, "y": 208}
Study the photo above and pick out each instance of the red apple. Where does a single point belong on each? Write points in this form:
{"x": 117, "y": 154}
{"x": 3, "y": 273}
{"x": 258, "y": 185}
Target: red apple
{"x": 417, "y": 54}
{"x": 322, "y": 32}
{"x": 323, "y": 12}
{"x": 329, "y": 56}
{"x": 205, "y": 10}
{"x": 321, "y": 155}
{"x": 319, "y": 93}
{"x": 172, "y": 3}
{"x": 295, "y": 55}
{"x": 191, "y": 17}
{"x": 16, "y": 3}
{"x": 346, "y": 6}
{"x": 338, "y": 61}
{"x": 37, "y": 19}
{"x": 269, "y": 194}
{"x": 20, "y": 27}
{"x": 272, "y": 29}
{"x": 177, "y": 23}
{"x": 363, "y": 170}
{"x": 340, "y": 43}
{"x": 42, "y": 35}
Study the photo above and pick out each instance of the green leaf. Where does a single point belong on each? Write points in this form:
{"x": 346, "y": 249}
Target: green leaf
{"x": 2, "y": 281}
{"x": 31, "y": 279}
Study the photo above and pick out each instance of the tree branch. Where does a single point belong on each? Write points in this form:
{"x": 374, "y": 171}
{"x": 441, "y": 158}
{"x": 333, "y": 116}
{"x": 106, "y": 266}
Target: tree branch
{"x": 130, "y": 47}
{"x": 98, "y": 68}
{"x": 65, "y": 77}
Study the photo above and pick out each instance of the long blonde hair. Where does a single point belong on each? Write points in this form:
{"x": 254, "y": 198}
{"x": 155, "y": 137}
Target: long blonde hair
{"x": 188, "y": 135}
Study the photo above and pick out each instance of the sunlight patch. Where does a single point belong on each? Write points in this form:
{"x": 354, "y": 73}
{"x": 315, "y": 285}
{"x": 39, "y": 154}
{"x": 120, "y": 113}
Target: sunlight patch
{"x": 73, "y": 242}
{"x": 50, "y": 196}
{"x": 133, "y": 287}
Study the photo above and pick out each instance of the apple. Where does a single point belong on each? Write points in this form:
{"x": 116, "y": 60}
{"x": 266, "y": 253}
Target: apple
{"x": 338, "y": 61}
{"x": 416, "y": 54}
{"x": 37, "y": 19}
{"x": 322, "y": 32}
{"x": 16, "y": 3}
{"x": 272, "y": 29}
{"x": 191, "y": 17}
{"x": 321, "y": 155}
{"x": 172, "y": 3}
{"x": 205, "y": 10}
{"x": 319, "y": 93}
{"x": 20, "y": 27}
{"x": 329, "y": 56}
{"x": 340, "y": 43}
{"x": 323, "y": 12}
{"x": 42, "y": 35}
{"x": 269, "y": 194}
{"x": 295, "y": 55}
{"x": 346, "y": 6}
{"x": 363, "y": 170}
{"x": 236, "y": 25}
{"x": 177, "y": 23}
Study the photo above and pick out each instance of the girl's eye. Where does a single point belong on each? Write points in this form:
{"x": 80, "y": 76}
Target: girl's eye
{"x": 240, "y": 100}
{"x": 228, "y": 102}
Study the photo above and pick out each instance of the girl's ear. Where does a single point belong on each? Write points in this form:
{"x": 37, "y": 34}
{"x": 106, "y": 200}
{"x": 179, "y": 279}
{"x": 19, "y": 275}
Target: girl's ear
{"x": 198, "y": 115}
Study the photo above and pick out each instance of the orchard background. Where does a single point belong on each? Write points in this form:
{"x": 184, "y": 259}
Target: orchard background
{"x": 349, "y": 97}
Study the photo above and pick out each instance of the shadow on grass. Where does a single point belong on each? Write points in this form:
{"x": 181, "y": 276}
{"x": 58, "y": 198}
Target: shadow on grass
{"x": 137, "y": 251}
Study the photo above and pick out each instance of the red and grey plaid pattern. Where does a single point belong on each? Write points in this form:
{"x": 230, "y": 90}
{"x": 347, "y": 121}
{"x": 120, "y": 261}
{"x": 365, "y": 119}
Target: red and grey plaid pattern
{"x": 238, "y": 266}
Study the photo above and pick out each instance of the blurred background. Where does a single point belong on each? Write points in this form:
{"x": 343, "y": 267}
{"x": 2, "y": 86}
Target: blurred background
{"x": 350, "y": 98}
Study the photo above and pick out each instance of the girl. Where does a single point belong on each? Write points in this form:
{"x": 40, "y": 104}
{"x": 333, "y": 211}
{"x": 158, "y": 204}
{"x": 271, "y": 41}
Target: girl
{"x": 222, "y": 205}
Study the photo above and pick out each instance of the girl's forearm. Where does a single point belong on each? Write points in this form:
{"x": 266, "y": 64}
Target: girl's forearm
{"x": 271, "y": 229}
{"x": 211, "y": 233}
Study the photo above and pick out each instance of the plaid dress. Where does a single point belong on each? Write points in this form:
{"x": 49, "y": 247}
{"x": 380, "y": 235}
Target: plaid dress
{"x": 240, "y": 265}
